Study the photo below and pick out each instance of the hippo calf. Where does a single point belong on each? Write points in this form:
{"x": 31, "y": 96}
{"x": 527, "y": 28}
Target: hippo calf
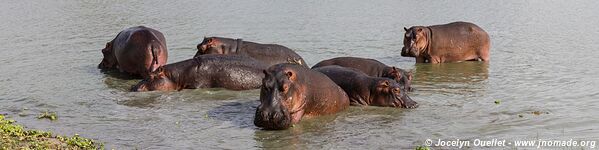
{"x": 268, "y": 53}
{"x": 136, "y": 50}
{"x": 364, "y": 90}
{"x": 206, "y": 71}
{"x": 453, "y": 42}
{"x": 373, "y": 68}
{"x": 290, "y": 92}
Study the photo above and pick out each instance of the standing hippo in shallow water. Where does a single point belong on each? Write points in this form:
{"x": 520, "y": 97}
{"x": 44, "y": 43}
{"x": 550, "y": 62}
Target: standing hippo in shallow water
{"x": 290, "y": 92}
{"x": 206, "y": 71}
{"x": 453, "y": 42}
{"x": 136, "y": 50}
{"x": 372, "y": 68}
{"x": 268, "y": 53}
{"x": 365, "y": 90}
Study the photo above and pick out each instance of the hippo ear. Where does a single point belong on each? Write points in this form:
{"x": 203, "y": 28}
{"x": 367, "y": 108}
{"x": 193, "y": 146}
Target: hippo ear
{"x": 159, "y": 72}
{"x": 108, "y": 48}
{"x": 404, "y": 28}
{"x": 290, "y": 75}
{"x": 385, "y": 83}
{"x": 395, "y": 71}
{"x": 410, "y": 75}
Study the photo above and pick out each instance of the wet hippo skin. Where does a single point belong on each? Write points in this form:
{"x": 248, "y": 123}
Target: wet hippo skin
{"x": 291, "y": 92}
{"x": 136, "y": 50}
{"x": 207, "y": 71}
{"x": 364, "y": 90}
{"x": 268, "y": 53}
{"x": 453, "y": 42}
{"x": 373, "y": 68}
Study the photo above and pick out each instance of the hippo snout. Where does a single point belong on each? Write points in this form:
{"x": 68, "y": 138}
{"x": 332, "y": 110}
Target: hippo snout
{"x": 140, "y": 87}
{"x": 272, "y": 119}
{"x": 407, "y": 102}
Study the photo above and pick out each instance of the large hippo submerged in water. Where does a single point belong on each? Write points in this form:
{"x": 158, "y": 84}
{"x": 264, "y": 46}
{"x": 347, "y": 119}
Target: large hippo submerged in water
{"x": 291, "y": 92}
{"x": 453, "y": 42}
{"x": 364, "y": 90}
{"x": 136, "y": 50}
{"x": 373, "y": 68}
{"x": 206, "y": 71}
{"x": 268, "y": 53}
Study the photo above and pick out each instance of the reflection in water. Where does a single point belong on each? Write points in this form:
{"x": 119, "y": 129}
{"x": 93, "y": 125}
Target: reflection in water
{"x": 297, "y": 136}
{"x": 456, "y": 78}
{"x": 464, "y": 72}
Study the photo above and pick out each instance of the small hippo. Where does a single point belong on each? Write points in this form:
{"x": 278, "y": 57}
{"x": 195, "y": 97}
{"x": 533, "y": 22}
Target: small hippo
{"x": 364, "y": 90}
{"x": 268, "y": 53}
{"x": 206, "y": 71}
{"x": 373, "y": 68}
{"x": 136, "y": 50}
{"x": 453, "y": 42}
{"x": 290, "y": 92}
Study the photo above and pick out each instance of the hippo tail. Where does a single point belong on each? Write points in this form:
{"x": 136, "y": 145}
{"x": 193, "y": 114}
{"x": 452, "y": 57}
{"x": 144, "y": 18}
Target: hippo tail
{"x": 154, "y": 53}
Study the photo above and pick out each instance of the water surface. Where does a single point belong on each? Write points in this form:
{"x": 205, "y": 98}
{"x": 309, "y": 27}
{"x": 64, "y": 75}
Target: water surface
{"x": 543, "y": 59}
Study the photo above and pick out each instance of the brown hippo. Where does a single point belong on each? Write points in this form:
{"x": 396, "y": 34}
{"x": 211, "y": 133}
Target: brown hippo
{"x": 364, "y": 90}
{"x": 372, "y": 68}
{"x": 290, "y": 92}
{"x": 453, "y": 42}
{"x": 268, "y": 53}
{"x": 206, "y": 71}
{"x": 136, "y": 50}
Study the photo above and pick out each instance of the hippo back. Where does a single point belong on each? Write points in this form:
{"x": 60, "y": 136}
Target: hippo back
{"x": 140, "y": 50}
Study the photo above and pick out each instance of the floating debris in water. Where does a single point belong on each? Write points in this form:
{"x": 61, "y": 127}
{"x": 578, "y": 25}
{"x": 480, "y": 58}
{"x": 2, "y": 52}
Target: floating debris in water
{"x": 48, "y": 115}
{"x": 497, "y": 102}
{"x": 520, "y": 115}
{"x": 539, "y": 113}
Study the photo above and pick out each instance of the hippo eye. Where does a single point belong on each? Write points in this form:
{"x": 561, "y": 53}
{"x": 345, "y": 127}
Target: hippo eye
{"x": 396, "y": 90}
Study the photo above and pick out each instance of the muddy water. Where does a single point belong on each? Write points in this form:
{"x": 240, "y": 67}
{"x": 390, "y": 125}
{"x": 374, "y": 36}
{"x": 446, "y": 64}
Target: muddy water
{"x": 543, "y": 71}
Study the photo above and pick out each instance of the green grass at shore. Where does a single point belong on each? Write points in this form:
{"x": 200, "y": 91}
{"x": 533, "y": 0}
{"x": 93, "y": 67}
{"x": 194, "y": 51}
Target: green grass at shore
{"x": 13, "y": 136}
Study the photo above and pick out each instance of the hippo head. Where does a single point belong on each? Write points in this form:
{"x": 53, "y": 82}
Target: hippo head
{"x": 157, "y": 81}
{"x": 406, "y": 80}
{"x": 388, "y": 93}
{"x": 392, "y": 73}
{"x": 210, "y": 45}
{"x": 402, "y": 77}
{"x": 415, "y": 42}
{"x": 109, "y": 60}
{"x": 281, "y": 102}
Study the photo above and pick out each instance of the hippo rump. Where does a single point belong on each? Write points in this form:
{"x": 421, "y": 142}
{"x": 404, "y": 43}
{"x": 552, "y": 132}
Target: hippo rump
{"x": 364, "y": 90}
{"x": 453, "y": 42}
{"x": 206, "y": 71}
{"x": 372, "y": 68}
{"x": 290, "y": 92}
{"x": 136, "y": 50}
{"x": 268, "y": 53}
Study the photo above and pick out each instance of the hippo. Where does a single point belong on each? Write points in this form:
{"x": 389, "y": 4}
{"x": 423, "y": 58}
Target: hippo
{"x": 291, "y": 92}
{"x": 207, "y": 71}
{"x": 268, "y": 53}
{"x": 453, "y": 42}
{"x": 364, "y": 90}
{"x": 136, "y": 50}
{"x": 373, "y": 68}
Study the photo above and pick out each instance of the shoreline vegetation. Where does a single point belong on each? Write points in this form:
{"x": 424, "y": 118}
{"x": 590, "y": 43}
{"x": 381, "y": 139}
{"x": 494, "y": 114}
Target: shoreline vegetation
{"x": 14, "y": 136}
